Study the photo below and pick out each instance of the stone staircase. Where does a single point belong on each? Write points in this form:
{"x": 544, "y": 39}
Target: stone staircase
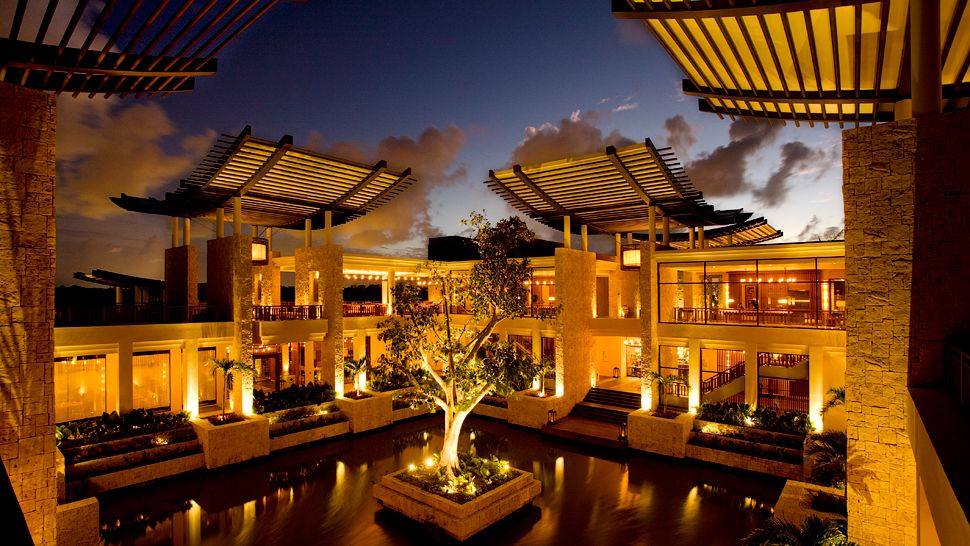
{"x": 608, "y": 406}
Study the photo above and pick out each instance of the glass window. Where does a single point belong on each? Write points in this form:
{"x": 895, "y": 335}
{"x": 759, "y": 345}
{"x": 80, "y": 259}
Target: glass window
{"x": 722, "y": 375}
{"x": 673, "y": 361}
{"x": 783, "y": 381}
{"x": 79, "y": 390}
{"x": 150, "y": 374}
{"x": 207, "y": 382}
{"x": 632, "y": 351}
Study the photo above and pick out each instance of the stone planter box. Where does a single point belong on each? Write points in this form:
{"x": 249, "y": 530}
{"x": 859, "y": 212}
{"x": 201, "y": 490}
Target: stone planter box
{"x": 234, "y": 442}
{"x": 659, "y": 435}
{"x": 459, "y": 521}
{"x": 409, "y": 413}
{"x": 368, "y": 413}
{"x": 533, "y": 412}
{"x": 131, "y": 459}
{"x": 782, "y": 439}
{"x": 135, "y": 475}
{"x": 308, "y": 436}
{"x": 78, "y": 523}
{"x": 795, "y": 503}
{"x": 745, "y": 462}
{"x": 494, "y": 412}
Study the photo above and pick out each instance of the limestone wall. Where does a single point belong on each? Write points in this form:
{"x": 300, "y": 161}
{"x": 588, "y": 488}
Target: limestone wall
{"x": 266, "y": 285}
{"x": 229, "y": 283}
{"x": 323, "y": 266}
{"x": 648, "y": 321}
{"x": 878, "y": 190}
{"x": 27, "y": 247}
{"x": 575, "y": 289}
{"x": 182, "y": 275}
{"x": 623, "y": 293}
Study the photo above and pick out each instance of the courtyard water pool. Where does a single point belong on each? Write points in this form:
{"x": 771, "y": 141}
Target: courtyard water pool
{"x": 322, "y": 495}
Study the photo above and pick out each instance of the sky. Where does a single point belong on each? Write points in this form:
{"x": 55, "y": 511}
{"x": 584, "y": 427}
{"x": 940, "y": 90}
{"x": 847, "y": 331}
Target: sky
{"x": 449, "y": 89}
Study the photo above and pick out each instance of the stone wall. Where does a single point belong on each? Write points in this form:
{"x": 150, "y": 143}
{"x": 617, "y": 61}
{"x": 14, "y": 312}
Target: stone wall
{"x": 324, "y": 265}
{"x": 648, "y": 321}
{"x": 575, "y": 290}
{"x": 229, "y": 284}
{"x": 266, "y": 285}
{"x": 878, "y": 187}
{"x": 182, "y": 275}
{"x": 623, "y": 293}
{"x": 27, "y": 247}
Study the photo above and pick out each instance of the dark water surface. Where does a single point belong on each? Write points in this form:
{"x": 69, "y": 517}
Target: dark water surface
{"x": 322, "y": 495}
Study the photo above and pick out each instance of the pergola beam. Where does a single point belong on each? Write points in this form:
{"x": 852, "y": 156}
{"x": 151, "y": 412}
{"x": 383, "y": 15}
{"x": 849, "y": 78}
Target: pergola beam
{"x": 517, "y": 169}
{"x": 282, "y": 147}
{"x": 623, "y": 9}
{"x": 378, "y": 169}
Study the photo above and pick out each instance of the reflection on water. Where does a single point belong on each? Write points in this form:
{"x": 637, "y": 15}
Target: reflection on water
{"x": 322, "y": 495}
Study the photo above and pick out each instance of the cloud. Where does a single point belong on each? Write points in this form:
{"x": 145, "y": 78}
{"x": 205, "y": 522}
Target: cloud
{"x": 407, "y": 219}
{"x": 796, "y": 157}
{"x": 811, "y": 231}
{"x": 627, "y": 106}
{"x": 680, "y": 135}
{"x": 105, "y": 147}
{"x": 632, "y": 31}
{"x": 723, "y": 172}
{"x": 576, "y": 135}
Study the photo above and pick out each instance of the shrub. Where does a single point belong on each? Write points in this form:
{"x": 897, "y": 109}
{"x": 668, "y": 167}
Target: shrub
{"x": 112, "y": 426}
{"x": 729, "y": 413}
{"x": 293, "y": 396}
{"x": 789, "y": 422}
{"x": 473, "y": 477}
{"x": 827, "y": 452}
{"x": 813, "y": 531}
{"x": 389, "y": 378}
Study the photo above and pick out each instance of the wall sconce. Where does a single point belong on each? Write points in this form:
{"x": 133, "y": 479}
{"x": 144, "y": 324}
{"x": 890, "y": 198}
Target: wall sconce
{"x": 622, "y": 436}
{"x": 616, "y": 373}
{"x": 553, "y": 417}
{"x": 260, "y": 251}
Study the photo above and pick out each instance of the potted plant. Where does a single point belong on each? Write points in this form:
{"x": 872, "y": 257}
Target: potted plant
{"x": 355, "y": 368}
{"x": 229, "y": 367}
{"x": 662, "y": 383}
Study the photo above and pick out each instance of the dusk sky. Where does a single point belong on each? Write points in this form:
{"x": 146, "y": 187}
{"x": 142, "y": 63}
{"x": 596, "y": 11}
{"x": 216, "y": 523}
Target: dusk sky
{"x": 449, "y": 89}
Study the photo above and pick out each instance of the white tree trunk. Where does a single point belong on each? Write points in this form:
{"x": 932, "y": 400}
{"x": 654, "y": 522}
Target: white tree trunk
{"x": 449, "y": 450}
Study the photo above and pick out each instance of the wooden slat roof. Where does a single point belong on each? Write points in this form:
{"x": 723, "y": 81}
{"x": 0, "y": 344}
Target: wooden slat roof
{"x": 280, "y": 184}
{"x": 609, "y": 191}
{"x": 829, "y": 61}
{"x": 112, "y": 47}
{"x": 750, "y": 232}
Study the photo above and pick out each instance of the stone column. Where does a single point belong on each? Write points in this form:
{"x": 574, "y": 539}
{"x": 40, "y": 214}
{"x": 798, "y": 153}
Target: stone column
{"x": 27, "y": 247}
{"x": 324, "y": 265}
{"x": 266, "y": 285}
{"x": 694, "y": 373}
{"x": 190, "y": 374}
{"x": 751, "y": 381}
{"x": 229, "y": 286}
{"x": 182, "y": 275}
{"x": 648, "y": 323}
{"x": 575, "y": 286}
{"x": 816, "y": 385}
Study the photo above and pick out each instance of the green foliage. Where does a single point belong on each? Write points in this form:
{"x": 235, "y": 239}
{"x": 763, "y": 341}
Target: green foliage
{"x": 354, "y": 368}
{"x": 813, "y": 532}
{"x": 229, "y": 367}
{"x": 836, "y": 398}
{"x": 292, "y": 397}
{"x": 789, "y": 422}
{"x": 828, "y": 453}
{"x": 387, "y": 377}
{"x": 661, "y": 383}
{"x": 112, "y": 426}
{"x": 473, "y": 477}
{"x": 460, "y": 365}
{"x": 730, "y": 413}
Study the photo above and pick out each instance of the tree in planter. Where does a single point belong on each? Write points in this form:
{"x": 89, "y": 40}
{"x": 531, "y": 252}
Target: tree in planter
{"x": 836, "y": 398}
{"x": 461, "y": 364}
{"x": 814, "y": 531}
{"x": 662, "y": 383}
{"x": 228, "y": 367}
{"x": 355, "y": 368}
{"x": 828, "y": 454}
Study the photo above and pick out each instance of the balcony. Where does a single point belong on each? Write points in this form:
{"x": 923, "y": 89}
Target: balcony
{"x": 287, "y": 311}
{"x": 138, "y": 313}
{"x": 827, "y": 320}
{"x": 364, "y": 309}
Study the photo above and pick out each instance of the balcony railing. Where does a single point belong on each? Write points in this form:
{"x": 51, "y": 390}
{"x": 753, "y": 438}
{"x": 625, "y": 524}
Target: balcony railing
{"x": 287, "y": 311}
{"x": 830, "y": 320}
{"x": 138, "y": 313}
{"x": 364, "y": 309}
{"x": 719, "y": 379}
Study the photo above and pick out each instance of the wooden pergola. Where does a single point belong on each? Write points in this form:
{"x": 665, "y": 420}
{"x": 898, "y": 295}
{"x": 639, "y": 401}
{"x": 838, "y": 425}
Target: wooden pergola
{"x": 276, "y": 184}
{"x": 120, "y": 48}
{"x": 620, "y": 190}
{"x": 749, "y": 232}
{"x": 828, "y": 61}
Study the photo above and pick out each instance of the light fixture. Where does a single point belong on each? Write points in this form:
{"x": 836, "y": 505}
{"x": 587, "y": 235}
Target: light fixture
{"x": 260, "y": 251}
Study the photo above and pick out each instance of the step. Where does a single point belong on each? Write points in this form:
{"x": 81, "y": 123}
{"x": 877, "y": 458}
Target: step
{"x": 613, "y": 398}
{"x": 601, "y": 412}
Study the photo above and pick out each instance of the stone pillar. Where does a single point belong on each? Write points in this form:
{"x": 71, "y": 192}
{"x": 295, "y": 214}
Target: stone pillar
{"x": 648, "y": 323}
{"x": 324, "y": 265}
{"x": 816, "y": 385}
{"x": 220, "y": 223}
{"x": 266, "y": 285}
{"x": 624, "y": 292}
{"x": 751, "y": 374}
{"x": 182, "y": 275}
{"x": 229, "y": 285}
{"x": 666, "y": 230}
{"x": 27, "y": 247}
{"x": 694, "y": 373}
{"x": 190, "y": 373}
{"x": 575, "y": 287}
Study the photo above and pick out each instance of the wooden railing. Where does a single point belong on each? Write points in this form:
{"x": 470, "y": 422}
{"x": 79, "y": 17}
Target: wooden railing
{"x": 676, "y": 389}
{"x": 138, "y": 313}
{"x": 287, "y": 311}
{"x": 719, "y": 379}
{"x": 833, "y": 320}
{"x": 364, "y": 309}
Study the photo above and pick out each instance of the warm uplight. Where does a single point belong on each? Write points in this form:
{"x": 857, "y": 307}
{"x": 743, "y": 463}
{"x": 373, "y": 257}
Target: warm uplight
{"x": 160, "y": 441}
{"x": 541, "y": 394}
{"x": 748, "y": 421}
{"x": 429, "y": 462}
{"x": 412, "y": 467}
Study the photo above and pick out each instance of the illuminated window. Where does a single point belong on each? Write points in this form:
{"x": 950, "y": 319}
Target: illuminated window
{"x": 207, "y": 382}
{"x": 79, "y": 390}
{"x": 150, "y": 375}
{"x": 722, "y": 375}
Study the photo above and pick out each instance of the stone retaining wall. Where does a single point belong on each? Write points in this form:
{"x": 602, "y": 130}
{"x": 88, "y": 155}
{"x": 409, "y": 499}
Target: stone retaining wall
{"x": 310, "y": 435}
{"x": 745, "y": 462}
{"x": 660, "y": 435}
